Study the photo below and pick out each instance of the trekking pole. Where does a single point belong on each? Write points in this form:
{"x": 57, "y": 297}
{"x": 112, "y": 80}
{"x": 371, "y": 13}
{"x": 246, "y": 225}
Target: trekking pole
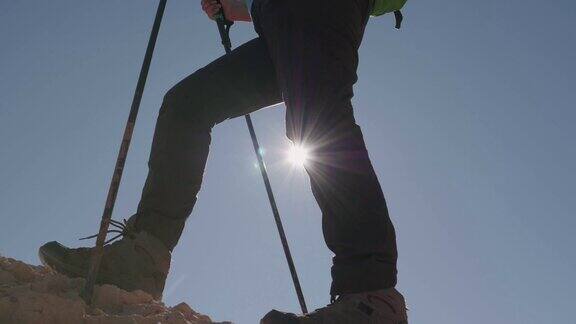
{"x": 87, "y": 293}
{"x": 224, "y": 29}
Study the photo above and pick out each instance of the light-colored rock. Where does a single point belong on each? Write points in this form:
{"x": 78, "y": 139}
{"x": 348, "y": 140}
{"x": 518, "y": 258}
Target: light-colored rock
{"x": 190, "y": 314}
{"x": 35, "y": 295}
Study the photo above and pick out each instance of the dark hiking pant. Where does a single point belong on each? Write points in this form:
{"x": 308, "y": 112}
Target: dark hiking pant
{"x": 306, "y": 55}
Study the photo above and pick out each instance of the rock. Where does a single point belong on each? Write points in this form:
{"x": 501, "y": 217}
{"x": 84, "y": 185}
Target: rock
{"x": 21, "y": 271}
{"x": 35, "y": 295}
{"x": 190, "y": 315}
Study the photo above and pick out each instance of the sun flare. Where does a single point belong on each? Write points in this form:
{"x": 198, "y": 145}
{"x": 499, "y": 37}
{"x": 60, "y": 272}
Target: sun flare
{"x": 298, "y": 155}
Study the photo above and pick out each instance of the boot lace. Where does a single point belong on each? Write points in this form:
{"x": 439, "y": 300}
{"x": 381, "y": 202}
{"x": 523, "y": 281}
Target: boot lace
{"x": 122, "y": 229}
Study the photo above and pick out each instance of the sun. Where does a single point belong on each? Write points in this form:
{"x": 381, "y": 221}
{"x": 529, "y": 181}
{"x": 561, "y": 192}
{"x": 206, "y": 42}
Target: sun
{"x": 298, "y": 155}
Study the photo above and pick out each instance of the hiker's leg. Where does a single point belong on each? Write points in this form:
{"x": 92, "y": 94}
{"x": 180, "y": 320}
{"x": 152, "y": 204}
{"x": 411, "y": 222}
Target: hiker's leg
{"x": 314, "y": 48}
{"x": 231, "y": 86}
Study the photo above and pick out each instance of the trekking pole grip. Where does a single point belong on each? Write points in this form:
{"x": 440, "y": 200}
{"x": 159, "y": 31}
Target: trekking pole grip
{"x": 224, "y": 28}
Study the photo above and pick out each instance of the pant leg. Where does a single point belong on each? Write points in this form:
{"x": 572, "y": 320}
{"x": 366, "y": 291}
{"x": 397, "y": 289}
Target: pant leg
{"x": 314, "y": 49}
{"x": 231, "y": 86}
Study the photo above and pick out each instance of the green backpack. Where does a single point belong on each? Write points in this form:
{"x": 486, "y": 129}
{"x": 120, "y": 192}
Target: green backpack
{"x": 387, "y": 6}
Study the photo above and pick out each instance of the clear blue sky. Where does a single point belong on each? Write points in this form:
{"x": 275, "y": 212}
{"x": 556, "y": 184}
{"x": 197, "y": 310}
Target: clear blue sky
{"x": 469, "y": 117}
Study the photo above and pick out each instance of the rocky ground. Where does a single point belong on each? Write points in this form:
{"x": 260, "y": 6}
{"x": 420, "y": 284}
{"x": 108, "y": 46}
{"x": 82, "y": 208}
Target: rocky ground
{"x": 35, "y": 295}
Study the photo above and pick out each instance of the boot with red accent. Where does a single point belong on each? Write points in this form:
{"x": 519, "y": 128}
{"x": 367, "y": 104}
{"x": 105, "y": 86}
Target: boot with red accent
{"x": 385, "y": 306}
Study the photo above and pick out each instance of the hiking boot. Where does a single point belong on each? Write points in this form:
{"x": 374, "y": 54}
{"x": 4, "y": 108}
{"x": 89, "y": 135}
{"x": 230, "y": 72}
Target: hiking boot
{"x": 385, "y": 306}
{"x": 137, "y": 261}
